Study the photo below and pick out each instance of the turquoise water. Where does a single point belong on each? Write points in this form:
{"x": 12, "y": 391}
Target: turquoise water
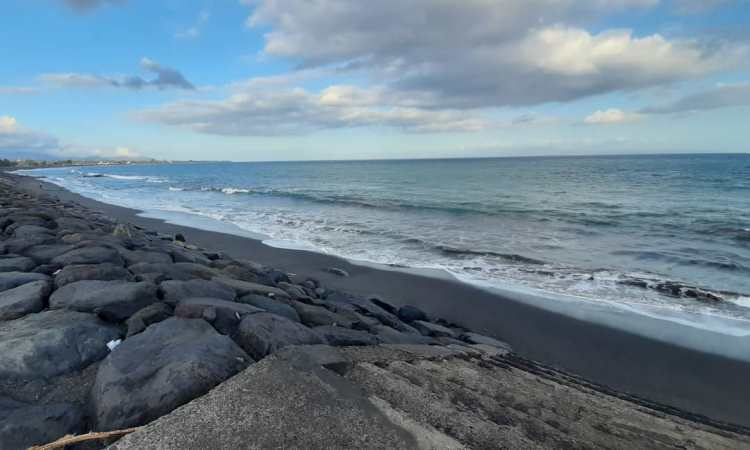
{"x": 669, "y": 232}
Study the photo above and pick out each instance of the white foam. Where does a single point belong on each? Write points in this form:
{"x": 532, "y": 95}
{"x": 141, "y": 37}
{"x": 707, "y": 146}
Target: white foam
{"x": 231, "y": 191}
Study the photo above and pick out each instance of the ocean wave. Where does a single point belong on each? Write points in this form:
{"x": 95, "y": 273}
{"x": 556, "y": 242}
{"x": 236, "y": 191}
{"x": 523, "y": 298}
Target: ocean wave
{"x": 509, "y": 257}
{"x": 147, "y": 179}
{"x": 175, "y": 189}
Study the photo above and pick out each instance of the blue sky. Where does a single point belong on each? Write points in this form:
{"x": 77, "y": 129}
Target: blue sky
{"x": 335, "y": 79}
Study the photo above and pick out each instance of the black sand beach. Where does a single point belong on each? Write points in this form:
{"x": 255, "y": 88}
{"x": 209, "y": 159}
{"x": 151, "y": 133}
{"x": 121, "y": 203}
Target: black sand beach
{"x": 695, "y": 381}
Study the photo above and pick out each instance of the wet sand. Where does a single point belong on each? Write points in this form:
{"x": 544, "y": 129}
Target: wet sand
{"x": 700, "y": 382}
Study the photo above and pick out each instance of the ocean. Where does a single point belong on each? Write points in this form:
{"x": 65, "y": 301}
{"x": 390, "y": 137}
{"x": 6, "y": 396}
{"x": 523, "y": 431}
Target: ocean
{"x": 653, "y": 233}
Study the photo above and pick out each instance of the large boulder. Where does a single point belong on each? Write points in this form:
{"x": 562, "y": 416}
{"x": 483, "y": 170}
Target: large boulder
{"x": 314, "y": 316}
{"x": 172, "y": 291}
{"x": 19, "y": 245}
{"x": 264, "y": 333}
{"x": 410, "y": 314}
{"x": 151, "y": 314}
{"x": 246, "y": 287}
{"x": 145, "y": 256}
{"x": 175, "y": 271}
{"x": 9, "y": 280}
{"x": 271, "y": 305}
{"x": 24, "y": 299}
{"x": 30, "y": 231}
{"x": 23, "y": 425}
{"x": 388, "y": 335}
{"x": 224, "y": 315}
{"x": 43, "y": 254}
{"x": 154, "y": 372}
{"x": 52, "y": 343}
{"x": 114, "y": 301}
{"x": 341, "y": 337}
{"x": 16, "y": 264}
{"x": 89, "y": 255}
{"x": 102, "y": 272}
{"x": 433, "y": 329}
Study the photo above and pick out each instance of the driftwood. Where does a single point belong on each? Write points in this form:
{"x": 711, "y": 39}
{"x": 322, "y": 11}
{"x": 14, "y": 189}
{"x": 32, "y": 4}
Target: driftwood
{"x": 93, "y": 436}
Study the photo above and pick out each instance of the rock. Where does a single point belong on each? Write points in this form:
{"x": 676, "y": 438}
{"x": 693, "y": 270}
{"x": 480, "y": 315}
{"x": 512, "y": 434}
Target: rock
{"x": 368, "y": 308}
{"x": 337, "y": 271}
{"x": 16, "y": 264}
{"x": 175, "y": 271}
{"x": 388, "y": 335}
{"x": 154, "y": 372}
{"x": 273, "y": 306}
{"x": 224, "y": 315}
{"x": 155, "y": 278}
{"x": 9, "y": 280}
{"x": 246, "y": 287}
{"x": 125, "y": 230}
{"x": 151, "y": 314}
{"x": 52, "y": 343}
{"x": 385, "y": 305}
{"x": 277, "y": 276}
{"x": 29, "y": 231}
{"x": 80, "y": 272}
{"x": 113, "y": 301}
{"x": 410, "y": 314}
{"x": 89, "y": 255}
{"x": 341, "y": 337}
{"x": 43, "y": 254}
{"x": 22, "y": 425}
{"x": 173, "y": 291}
{"x": 72, "y": 224}
{"x": 475, "y": 338}
{"x": 20, "y": 245}
{"x": 433, "y": 329}
{"x": 190, "y": 256}
{"x": 295, "y": 292}
{"x": 264, "y": 333}
{"x": 314, "y": 316}
{"x": 47, "y": 269}
{"x": 143, "y": 256}
{"x": 24, "y": 299}
{"x": 179, "y": 237}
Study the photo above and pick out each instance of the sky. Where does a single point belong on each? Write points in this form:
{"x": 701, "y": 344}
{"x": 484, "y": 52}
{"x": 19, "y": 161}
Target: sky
{"x": 260, "y": 80}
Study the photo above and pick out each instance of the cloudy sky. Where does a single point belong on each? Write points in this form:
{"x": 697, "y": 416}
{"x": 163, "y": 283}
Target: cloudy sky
{"x": 349, "y": 79}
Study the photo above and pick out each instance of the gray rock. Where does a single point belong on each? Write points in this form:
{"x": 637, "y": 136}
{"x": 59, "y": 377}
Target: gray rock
{"x": 341, "y": 337}
{"x": 153, "y": 372}
{"x": 9, "y": 280}
{"x": 410, "y": 314}
{"x": 224, "y": 315}
{"x": 337, "y": 271}
{"x": 149, "y": 315}
{"x": 22, "y": 425}
{"x": 145, "y": 256}
{"x": 264, "y": 333}
{"x": 173, "y": 291}
{"x": 433, "y": 329}
{"x": 43, "y": 254}
{"x": 80, "y": 272}
{"x": 29, "y": 231}
{"x": 114, "y": 301}
{"x": 476, "y": 338}
{"x": 72, "y": 224}
{"x": 388, "y": 335}
{"x": 89, "y": 255}
{"x": 52, "y": 343}
{"x": 181, "y": 254}
{"x": 16, "y": 264}
{"x": 25, "y": 299}
{"x": 314, "y": 316}
{"x": 20, "y": 245}
{"x": 273, "y": 306}
{"x": 175, "y": 271}
{"x": 246, "y": 287}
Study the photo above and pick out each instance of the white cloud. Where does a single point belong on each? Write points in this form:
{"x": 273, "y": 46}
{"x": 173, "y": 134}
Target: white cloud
{"x": 478, "y": 53}
{"x": 166, "y": 77}
{"x": 722, "y": 96}
{"x": 260, "y": 112}
{"x": 194, "y": 31}
{"x": 14, "y": 136}
{"x": 13, "y": 90}
{"x": 611, "y": 117}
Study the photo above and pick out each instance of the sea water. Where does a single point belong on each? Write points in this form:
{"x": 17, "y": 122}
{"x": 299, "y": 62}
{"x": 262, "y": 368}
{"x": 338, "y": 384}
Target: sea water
{"x": 667, "y": 233}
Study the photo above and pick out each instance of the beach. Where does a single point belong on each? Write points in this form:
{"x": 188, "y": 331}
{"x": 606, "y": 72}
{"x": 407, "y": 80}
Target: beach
{"x": 544, "y": 379}
{"x": 698, "y": 381}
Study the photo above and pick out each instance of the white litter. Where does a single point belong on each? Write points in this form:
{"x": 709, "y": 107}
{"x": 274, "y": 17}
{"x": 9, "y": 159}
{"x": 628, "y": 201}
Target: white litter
{"x": 111, "y": 345}
{"x": 56, "y": 271}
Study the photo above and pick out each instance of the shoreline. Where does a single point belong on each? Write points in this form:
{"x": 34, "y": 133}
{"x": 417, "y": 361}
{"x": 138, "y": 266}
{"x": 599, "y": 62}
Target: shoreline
{"x": 696, "y": 381}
